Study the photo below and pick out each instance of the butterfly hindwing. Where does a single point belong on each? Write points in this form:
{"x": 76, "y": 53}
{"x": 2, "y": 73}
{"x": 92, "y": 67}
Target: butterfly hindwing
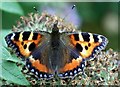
{"x": 72, "y": 63}
{"x": 23, "y": 43}
{"x": 38, "y": 62}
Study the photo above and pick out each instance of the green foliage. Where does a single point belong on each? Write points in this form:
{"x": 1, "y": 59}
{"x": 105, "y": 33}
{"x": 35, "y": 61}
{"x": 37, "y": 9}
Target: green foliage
{"x": 8, "y": 57}
{"x": 10, "y": 71}
{"x": 12, "y": 7}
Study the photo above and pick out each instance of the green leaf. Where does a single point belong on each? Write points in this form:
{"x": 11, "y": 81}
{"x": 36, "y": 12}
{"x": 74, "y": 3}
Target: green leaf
{"x": 12, "y": 7}
{"x": 12, "y": 73}
{"x": 7, "y": 56}
{"x": 6, "y": 51}
{"x": 4, "y": 32}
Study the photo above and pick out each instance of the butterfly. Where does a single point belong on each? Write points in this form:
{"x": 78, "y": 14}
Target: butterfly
{"x": 50, "y": 49}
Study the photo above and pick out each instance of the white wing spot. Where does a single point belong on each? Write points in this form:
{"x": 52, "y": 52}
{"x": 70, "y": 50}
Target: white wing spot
{"x": 28, "y": 66}
{"x": 99, "y": 37}
{"x": 75, "y": 71}
{"x": 40, "y": 75}
{"x": 45, "y": 75}
{"x": 82, "y": 65}
{"x": 91, "y": 37}
{"x": 32, "y": 70}
{"x": 71, "y": 73}
{"x": 12, "y": 37}
{"x": 66, "y": 74}
{"x": 79, "y": 69}
{"x": 36, "y": 73}
{"x": 80, "y": 37}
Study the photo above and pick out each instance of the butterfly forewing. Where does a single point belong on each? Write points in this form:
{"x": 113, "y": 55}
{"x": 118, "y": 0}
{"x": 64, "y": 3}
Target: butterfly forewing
{"x": 23, "y": 43}
{"x": 88, "y": 44}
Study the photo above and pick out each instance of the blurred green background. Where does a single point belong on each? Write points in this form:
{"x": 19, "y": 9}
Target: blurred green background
{"x": 94, "y": 17}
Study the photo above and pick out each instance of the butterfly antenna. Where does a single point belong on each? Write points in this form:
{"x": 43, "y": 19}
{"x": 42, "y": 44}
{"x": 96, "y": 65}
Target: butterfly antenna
{"x": 73, "y": 6}
{"x": 35, "y": 9}
{"x": 69, "y": 12}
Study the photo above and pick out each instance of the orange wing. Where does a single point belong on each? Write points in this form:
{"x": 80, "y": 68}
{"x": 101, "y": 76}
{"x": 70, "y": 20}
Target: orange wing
{"x": 88, "y": 44}
{"x": 83, "y": 46}
{"x": 23, "y": 43}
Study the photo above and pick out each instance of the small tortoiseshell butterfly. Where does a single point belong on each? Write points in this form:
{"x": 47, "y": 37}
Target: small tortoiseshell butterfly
{"x": 51, "y": 47}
